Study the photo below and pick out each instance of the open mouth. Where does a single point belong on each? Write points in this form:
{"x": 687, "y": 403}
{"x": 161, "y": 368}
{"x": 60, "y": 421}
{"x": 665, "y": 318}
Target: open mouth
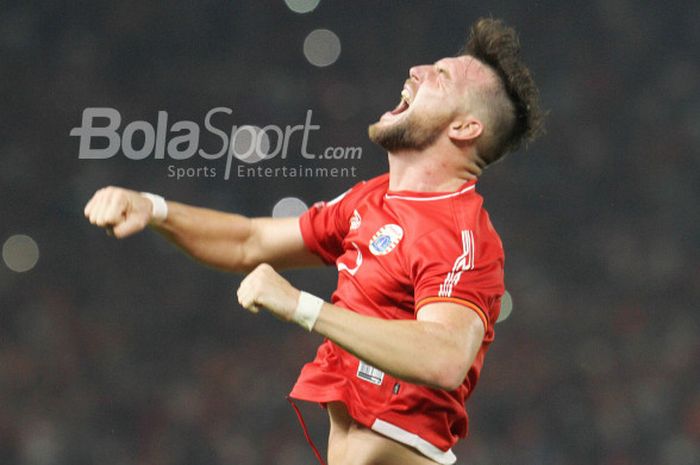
{"x": 403, "y": 104}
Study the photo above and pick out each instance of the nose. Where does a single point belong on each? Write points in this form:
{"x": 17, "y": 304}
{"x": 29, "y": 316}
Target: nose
{"x": 418, "y": 73}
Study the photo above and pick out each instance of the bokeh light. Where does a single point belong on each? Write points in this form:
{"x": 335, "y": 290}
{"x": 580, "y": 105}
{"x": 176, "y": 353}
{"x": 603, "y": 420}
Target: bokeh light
{"x": 302, "y": 6}
{"x": 322, "y": 47}
{"x": 506, "y": 307}
{"x": 289, "y": 206}
{"x": 20, "y": 253}
{"x": 250, "y": 144}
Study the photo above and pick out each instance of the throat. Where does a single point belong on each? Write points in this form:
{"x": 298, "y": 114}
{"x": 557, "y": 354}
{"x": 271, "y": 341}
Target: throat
{"x": 442, "y": 166}
{"x": 409, "y": 171}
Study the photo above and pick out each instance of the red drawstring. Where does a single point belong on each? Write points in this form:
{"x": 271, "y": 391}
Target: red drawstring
{"x": 306, "y": 431}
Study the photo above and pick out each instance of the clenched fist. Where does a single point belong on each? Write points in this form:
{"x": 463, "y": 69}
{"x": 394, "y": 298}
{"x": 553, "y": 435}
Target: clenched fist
{"x": 264, "y": 287}
{"x": 121, "y": 211}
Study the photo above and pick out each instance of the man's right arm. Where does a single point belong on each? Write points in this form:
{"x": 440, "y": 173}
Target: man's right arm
{"x": 223, "y": 240}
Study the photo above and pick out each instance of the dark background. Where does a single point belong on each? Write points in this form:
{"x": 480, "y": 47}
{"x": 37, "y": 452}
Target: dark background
{"x": 126, "y": 352}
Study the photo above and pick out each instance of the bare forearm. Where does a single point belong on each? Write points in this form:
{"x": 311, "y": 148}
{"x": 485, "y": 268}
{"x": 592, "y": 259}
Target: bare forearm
{"x": 421, "y": 352}
{"x": 215, "y": 238}
{"x": 437, "y": 349}
{"x": 234, "y": 242}
{"x": 223, "y": 240}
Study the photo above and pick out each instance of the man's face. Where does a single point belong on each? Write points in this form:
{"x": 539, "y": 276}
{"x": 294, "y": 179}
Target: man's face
{"x": 432, "y": 97}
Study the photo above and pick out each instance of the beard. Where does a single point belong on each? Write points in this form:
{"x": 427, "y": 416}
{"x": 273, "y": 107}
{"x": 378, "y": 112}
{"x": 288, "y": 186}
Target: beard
{"x": 412, "y": 133}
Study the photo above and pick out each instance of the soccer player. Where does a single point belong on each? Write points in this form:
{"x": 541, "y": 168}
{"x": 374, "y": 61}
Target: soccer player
{"x": 420, "y": 267}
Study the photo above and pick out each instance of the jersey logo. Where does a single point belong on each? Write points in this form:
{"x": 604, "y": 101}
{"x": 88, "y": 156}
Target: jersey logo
{"x": 358, "y": 261}
{"x": 386, "y": 239}
{"x": 355, "y": 221}
{"x": 464, "y": 262}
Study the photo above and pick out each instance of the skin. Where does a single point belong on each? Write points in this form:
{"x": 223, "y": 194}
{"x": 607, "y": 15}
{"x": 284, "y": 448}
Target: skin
{"x": 438, "y": 347}
{"x": 435, "y": 90}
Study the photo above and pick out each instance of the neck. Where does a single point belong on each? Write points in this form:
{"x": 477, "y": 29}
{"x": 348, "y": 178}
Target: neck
{"x": 435, "y": 169}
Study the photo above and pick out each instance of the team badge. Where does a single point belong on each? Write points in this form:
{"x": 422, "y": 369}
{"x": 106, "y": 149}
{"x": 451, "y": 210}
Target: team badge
{"x": 386, "y": 239}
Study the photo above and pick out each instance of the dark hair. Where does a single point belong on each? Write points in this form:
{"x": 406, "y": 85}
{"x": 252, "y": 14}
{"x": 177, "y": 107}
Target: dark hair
{"x": 521, "y": 120}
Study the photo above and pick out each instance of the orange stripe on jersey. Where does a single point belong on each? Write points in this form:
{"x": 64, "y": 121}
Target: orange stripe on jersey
{"x": 466, "y": 303}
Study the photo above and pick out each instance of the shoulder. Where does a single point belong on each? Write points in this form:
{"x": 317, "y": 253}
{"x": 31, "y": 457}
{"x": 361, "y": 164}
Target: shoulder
{"x": 459, "y": 225}
{"x": 437, "y": 215}
{"x": 475, "y": 229}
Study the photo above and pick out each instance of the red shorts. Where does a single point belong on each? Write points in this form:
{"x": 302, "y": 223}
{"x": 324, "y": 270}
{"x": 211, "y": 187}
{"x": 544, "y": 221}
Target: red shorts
{"x": 429, "y": 420}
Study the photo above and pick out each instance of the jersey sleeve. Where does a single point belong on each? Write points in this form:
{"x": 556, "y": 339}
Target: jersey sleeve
{"x": 460, "y": 267}
{"x": 325, "y": 225}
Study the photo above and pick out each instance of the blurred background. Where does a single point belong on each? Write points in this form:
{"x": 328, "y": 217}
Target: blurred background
{"x": 127, "y": 352}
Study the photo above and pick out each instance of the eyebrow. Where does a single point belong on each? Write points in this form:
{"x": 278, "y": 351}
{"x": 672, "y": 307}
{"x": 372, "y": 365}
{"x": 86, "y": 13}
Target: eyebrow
{"x": 443, "y": 69}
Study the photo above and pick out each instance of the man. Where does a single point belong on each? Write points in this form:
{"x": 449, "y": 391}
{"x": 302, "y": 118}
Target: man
{"x": 420, "y": 265}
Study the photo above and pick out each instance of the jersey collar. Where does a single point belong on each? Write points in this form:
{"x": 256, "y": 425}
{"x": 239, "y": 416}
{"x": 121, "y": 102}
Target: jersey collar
{"x": 428, "y": 196}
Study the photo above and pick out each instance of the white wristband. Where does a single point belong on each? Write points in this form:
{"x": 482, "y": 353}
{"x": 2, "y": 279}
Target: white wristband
{"x": 308, "y": 309}
{"x": 159, "y": 212}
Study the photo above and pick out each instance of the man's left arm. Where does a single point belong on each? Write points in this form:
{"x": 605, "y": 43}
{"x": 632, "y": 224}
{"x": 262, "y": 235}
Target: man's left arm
{"x": 437, "y": 349}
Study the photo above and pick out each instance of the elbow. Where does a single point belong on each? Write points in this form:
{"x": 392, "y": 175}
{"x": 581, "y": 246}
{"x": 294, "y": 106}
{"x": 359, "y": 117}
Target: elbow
{"x": 249, "y": 258}
{"x": 452, "y": 382}
{"x": 246, "y": 265}
{"x": 449, "y": 375}
{"x": 452, "y": 368}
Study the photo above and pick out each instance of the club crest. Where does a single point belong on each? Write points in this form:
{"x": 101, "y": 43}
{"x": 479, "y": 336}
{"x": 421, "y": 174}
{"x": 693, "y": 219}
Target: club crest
{"x": 386, "y": 239}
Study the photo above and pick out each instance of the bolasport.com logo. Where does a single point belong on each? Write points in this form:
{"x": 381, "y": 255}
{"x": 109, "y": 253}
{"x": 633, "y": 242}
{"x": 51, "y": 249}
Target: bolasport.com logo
{"x": 102, "y": 137}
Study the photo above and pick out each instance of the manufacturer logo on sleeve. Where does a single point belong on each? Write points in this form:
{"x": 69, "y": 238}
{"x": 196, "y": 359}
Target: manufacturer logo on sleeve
{"x": 386, "y": 239}
{"x": 355, "y": 221}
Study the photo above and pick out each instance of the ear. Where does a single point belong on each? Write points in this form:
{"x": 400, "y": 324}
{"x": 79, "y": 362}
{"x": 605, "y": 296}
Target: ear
{"x": 465, "y": 129}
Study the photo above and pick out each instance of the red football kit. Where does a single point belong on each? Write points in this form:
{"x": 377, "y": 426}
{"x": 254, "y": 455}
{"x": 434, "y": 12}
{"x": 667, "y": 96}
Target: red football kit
{"x": 396, "y": 252}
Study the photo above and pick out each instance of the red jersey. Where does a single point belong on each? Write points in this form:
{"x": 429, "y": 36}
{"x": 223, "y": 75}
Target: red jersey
{"x": 396, "y": 252}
